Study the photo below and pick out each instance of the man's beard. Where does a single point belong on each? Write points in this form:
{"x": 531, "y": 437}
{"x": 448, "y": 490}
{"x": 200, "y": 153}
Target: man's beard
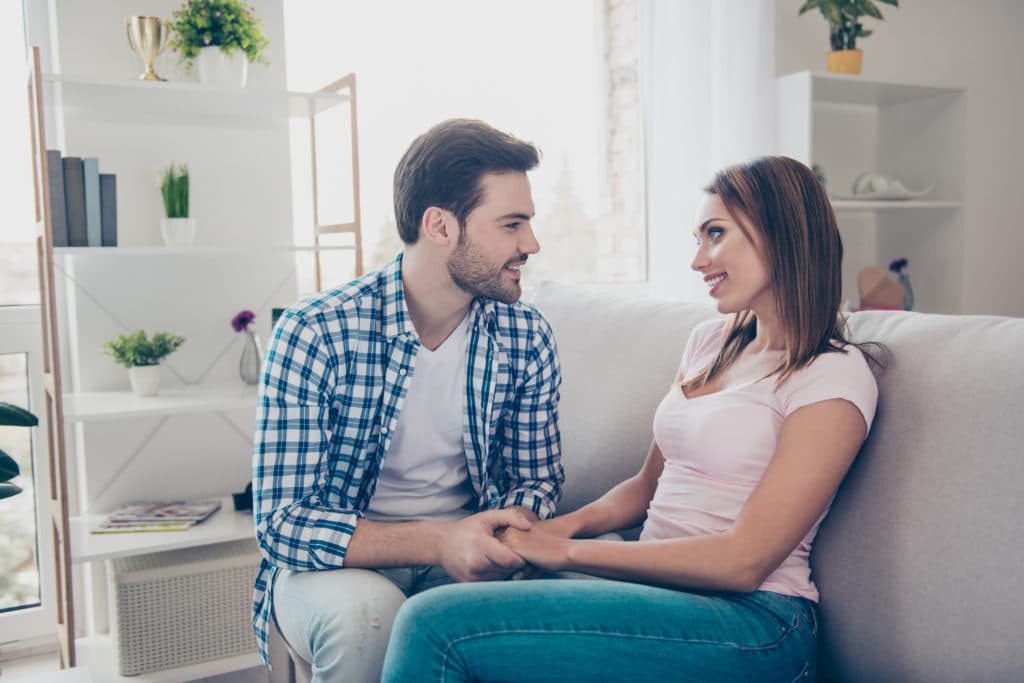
{"x": 474, "y": 275}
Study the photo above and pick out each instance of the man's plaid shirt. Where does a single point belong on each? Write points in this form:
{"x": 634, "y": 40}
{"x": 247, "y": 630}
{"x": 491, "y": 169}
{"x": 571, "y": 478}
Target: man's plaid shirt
{"x": 337, "y": 372}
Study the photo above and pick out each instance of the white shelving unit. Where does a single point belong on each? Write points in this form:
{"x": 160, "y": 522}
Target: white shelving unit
{"x": 197, "y": 428}
{"x": 101, "y": 406}
{"x": 224, "y": 525}
{"x": 913, "y": 132}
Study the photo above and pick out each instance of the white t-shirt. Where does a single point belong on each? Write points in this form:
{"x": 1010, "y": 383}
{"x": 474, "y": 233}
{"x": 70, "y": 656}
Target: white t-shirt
{"x": 423, "y": 474}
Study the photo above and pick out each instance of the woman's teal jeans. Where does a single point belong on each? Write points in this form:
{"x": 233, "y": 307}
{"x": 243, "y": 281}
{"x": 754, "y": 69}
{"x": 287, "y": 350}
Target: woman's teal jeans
{"x": 570, "y": 631}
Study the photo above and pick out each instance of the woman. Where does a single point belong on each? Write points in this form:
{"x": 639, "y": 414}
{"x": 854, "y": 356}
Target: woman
{"x": 769, "y": 408}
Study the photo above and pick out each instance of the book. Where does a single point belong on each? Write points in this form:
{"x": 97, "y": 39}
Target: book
{"x": 58, "y": 215}
{"x": 108, "y": 209}
{"x": 74, "y": 201}
{"x": 157, "y": 516}
{"x": 93, "y": 217}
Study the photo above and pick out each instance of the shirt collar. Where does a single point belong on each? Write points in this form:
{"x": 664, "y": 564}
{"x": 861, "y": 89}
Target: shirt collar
{"x": 395, "y": 313}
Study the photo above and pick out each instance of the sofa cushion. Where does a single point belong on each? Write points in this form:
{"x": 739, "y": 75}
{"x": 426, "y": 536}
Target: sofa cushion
{"x": 920, "y": 561}
{"x": 619, "y": 355}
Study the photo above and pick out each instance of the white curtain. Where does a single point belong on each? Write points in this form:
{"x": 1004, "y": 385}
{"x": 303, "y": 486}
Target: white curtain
{"x": 707, "y": 71}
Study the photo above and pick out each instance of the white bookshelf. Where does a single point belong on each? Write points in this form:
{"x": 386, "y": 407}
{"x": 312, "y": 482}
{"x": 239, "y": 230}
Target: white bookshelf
{"x": 99, "y": 406}
{"x": 173, "y": 103}
{"x": 913, "y": 132}
{"x": 223, "y": 526}
{"x": 197, "y": 250}
{"x": 855, "y": 205}
{"x": 193, "y": 439}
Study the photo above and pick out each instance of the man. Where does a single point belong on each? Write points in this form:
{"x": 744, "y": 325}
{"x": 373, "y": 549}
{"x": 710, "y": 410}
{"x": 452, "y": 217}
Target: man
{"x": 407, "y": 417}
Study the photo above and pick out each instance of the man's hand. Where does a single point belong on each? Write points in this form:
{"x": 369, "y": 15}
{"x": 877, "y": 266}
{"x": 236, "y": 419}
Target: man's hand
{"x": 470, "y": 552}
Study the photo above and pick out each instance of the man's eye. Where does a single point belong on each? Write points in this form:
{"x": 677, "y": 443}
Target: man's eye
{"x": 512, "y": 226}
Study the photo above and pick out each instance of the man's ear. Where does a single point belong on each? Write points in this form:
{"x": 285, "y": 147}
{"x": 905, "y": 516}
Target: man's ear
{"x": 438, "y": 226}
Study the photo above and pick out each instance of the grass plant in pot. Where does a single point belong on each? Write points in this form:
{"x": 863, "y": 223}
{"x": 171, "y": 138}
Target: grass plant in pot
{"x": 177, "y": 229}
{"x": 142, "y": 356}
{"x": 221, "y": 37}
{"x": 843, "y": 17}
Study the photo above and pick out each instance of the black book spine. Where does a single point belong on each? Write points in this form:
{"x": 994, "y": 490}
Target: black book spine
{"x": 58, "y": 215}
{"x": 74, "y": 194}
{"x": 108, "y": 208}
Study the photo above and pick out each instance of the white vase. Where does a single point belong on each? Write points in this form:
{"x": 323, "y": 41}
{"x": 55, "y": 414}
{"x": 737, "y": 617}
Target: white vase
{"x": 178, "y": 232}
{"x": 145, "y": 380}
{"x": 221, "y": 70}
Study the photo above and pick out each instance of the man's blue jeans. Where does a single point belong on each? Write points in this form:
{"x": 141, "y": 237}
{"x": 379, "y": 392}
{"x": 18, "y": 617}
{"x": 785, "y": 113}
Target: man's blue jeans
{"x": 565, "y": 630}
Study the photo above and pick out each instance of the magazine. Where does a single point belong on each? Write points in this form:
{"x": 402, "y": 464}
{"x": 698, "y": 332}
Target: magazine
{"x": 157, "y": 516}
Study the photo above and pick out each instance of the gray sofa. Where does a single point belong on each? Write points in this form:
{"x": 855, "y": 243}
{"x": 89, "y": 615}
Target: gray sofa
{"x": 919, "y": 564}
{"x": 921, "y": 561}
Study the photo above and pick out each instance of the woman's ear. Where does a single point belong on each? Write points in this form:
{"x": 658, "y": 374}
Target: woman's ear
{"x": 437, "y": 226}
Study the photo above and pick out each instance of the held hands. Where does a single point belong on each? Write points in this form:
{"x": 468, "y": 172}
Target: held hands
{"x": 470, "y": 550}
{"x": 541, "y": 549}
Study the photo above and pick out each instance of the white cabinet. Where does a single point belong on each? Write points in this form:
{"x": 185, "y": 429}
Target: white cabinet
{"x": 914, "y": 133}
{"x": 193, "y": 440}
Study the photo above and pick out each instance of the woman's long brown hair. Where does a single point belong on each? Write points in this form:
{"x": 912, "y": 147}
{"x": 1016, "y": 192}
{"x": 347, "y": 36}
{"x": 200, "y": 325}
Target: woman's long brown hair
{"x": 783, "y": 199}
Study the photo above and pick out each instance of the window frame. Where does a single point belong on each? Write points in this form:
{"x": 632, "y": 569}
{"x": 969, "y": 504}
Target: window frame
{"x": 20, "y": 332}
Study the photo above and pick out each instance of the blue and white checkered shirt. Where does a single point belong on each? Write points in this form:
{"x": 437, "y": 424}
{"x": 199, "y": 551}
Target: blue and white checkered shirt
{"x": 337, "y": 372}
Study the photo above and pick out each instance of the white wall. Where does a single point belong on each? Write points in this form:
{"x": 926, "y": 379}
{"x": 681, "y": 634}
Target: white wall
{"x": 958, "y": 43}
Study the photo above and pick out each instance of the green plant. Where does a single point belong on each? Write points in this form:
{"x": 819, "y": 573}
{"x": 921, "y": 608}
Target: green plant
{"x": 12, "y": 416}
{"x": 843, "y": 17}
{"x": 132, "y": 350}
{"x": 174, "y": 188}
{"x": 230, "y": 25}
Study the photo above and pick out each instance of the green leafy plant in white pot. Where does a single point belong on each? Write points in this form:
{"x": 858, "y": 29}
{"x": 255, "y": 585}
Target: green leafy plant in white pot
{"x": 142, "y": 356}
{"x": 221, "y": 37}
{"x": 177, "y": 229}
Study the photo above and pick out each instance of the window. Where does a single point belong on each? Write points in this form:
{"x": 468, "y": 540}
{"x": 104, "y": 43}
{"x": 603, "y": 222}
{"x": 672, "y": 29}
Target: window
{"x": 18, "y": 282}
{"x": 560, "y": 74}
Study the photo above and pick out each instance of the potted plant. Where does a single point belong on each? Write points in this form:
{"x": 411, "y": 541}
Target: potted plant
{"x": 177, "y": 228}
{"x": 223, "y": 36}
{"x": 142, "y": 357}
{"x": 843, "y": 17}
{"x": 12, "y": 416}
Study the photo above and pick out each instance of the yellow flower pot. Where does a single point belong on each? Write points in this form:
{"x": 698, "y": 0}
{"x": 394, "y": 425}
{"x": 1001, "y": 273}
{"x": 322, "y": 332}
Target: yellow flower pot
{"x": 844, "y": 61}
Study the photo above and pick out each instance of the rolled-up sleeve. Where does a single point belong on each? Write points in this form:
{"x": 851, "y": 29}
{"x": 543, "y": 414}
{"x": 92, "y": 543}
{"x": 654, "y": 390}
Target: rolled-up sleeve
{"x": 532, "y": 448}
{"x": 295, "y": 527}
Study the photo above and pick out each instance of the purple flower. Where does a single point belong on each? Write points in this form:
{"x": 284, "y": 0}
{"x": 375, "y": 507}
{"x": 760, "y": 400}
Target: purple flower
{"x": 217, "y": 14}
{"x": 898, "y": 265}
{"x": 241, "y": 321}
{"x": 206, "y": 40}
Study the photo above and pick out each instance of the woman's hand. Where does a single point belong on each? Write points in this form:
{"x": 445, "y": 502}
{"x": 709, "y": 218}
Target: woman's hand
{"x": 541, "y": 550}
{"x": 563, "y": 526}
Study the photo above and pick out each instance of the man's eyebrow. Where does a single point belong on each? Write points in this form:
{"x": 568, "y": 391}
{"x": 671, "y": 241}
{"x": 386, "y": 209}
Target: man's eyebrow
{"x": 517, "y": 216}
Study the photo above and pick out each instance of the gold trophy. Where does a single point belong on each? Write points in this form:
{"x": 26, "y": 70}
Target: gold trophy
{"x": 147, "y": 37}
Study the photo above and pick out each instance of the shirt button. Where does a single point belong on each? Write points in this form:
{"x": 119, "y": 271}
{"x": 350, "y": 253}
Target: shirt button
{"x": 403, "y": 372}
{"x": 384, "y": 429}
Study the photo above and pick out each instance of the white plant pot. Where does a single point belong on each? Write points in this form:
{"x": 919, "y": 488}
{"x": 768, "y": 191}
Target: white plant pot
{"x": 220, "y": 70}
{"x": 178, "y": 232}
{"x": 145, "y": 380}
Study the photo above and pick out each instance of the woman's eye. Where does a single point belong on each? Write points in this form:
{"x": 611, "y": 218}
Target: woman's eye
{"x": 714, "y": 234}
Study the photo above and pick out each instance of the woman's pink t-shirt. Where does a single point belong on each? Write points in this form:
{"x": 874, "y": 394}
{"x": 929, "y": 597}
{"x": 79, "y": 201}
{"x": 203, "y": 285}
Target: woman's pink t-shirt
{"x": 718, "y": 446}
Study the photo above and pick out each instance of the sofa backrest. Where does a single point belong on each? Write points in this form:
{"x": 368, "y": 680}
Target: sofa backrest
{"x": 919, "y": 562}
